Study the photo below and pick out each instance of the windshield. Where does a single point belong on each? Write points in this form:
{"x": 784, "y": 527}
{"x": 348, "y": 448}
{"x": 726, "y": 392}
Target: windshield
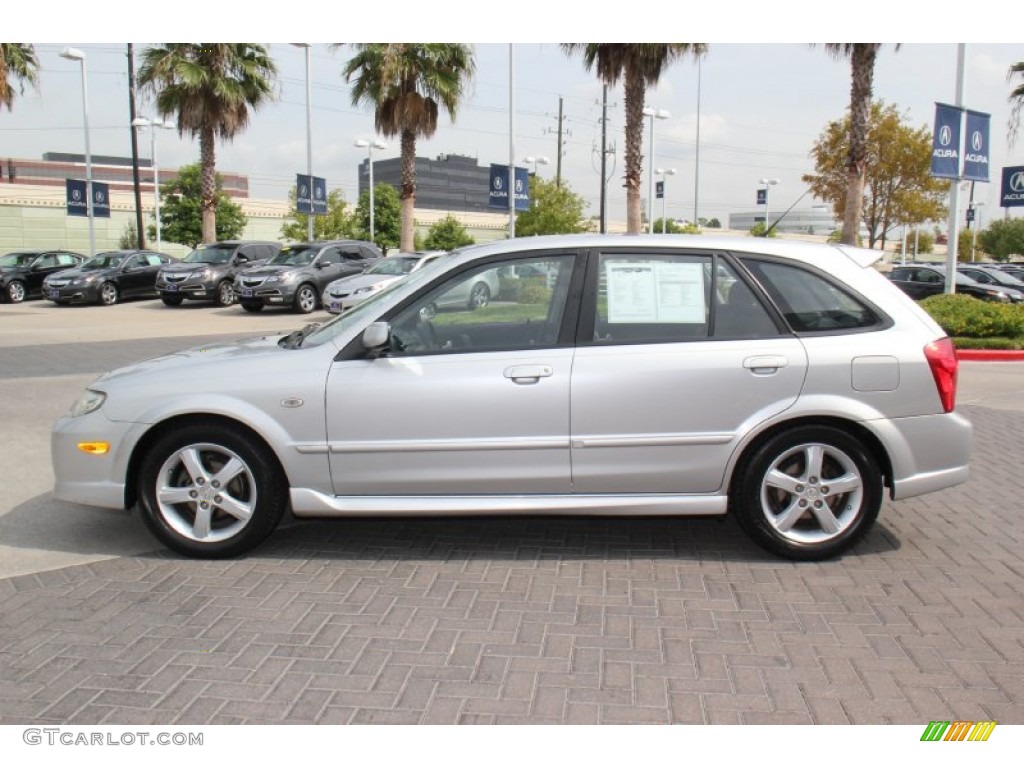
{"x": 393, "y": 265}
{"x": 369, "y": 309}
{"x": 210, "y": 254}
{"x": 293, "y": 257}
{"x": 104, "y": 261}
{"x": 17, "y": 259}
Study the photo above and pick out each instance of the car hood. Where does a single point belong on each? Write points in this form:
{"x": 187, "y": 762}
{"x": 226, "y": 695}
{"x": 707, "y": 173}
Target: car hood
{"x": 362, "y": 281}
{"x": 74, "y": 272}
{"x": 190, "y": 266}
{"x": 266, "y": 271}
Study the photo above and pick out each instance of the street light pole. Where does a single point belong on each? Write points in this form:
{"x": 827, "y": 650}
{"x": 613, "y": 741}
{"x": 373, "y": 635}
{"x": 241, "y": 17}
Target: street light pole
{"x": 153, "y": 124}
{"x": 977, "y": 225}
{"x": 767, "y": 183}
{"x": 370, "y": 146}
{"x": 74, "y": 54}
{"x": 654, "y": 114}
{"x": 309, "y": 137}
{"x": 541, "y": 160}
{"x": 663, "y": 172}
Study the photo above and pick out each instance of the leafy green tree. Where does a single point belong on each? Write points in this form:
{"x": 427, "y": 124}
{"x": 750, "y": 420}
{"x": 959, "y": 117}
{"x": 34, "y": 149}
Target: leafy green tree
{"x": 181, "y": 210}
{"x": 338, "y": 224}
{"x": 1003, "y": 238}
{"x": 407, "y": 84}
{"x": 447, "y": 235}
{"x": 129, "y": 237}
{"x": 554, "y": 210}
{"x": 710, "y": 223}
{"x": 925, "y": 241}
{"x": 758, "y": 230}
{"x": 862, "y": 74}
{"x": 387, "y": 217}
{"x": 18, "y": 67}
{"x": 210, "y": 88}
{"x": 639, "y": 65}
{"x": 900, "y": 188}
{"x": 1016, "y": 99}
{"x": 673, "y": 227}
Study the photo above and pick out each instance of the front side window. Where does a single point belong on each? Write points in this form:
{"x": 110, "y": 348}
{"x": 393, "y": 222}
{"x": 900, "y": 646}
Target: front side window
{"x": 487, "y": 308}
{"x": 293, "y": 257}
{"x": 808, "y": 301}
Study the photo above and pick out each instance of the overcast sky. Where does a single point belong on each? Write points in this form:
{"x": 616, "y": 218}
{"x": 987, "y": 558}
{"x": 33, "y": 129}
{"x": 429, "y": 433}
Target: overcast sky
{"x": 765, "y": 94}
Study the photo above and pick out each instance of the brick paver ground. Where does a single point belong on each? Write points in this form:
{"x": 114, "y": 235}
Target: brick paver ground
{"x": 545, "y": 621}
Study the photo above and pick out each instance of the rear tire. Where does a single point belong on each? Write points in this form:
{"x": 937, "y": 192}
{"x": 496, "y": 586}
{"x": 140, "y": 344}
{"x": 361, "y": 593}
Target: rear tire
{"x": 211, "y": 491}
{"x": 809, "y": 493}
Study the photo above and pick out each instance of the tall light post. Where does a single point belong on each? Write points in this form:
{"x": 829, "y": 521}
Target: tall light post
{"x": 309, "y": 136}
{"x": 153, "y": 124}
{"x": 654, "y": 114}
{"x": 370, "y": 146}
{"x": 74, "y": 54}
{"x": 540, "y": 160}
{"x": 663, "y": 172}
{"x": 977, "y": 225}
{"x": 767, "y": 183}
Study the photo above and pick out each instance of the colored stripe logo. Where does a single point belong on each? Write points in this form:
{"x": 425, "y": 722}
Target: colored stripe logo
{"x": 958, "y": 730}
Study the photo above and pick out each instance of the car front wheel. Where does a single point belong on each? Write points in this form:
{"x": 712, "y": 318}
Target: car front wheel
{"x": 808, "y": 493}
{"x": 225, "y": 293}
{"x": 305, "y": 299}
{"x": 108, "y": 294}
{"x": 16, "y": 292}
{"x": 211, "y": 491}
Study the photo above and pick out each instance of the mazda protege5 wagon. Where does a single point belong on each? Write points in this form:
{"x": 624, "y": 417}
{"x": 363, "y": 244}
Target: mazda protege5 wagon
{"x": 787, "y": 384}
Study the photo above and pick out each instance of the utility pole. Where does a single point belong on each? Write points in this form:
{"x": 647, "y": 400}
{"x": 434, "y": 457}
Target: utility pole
{"x": 558, "y": 166}
{"x": 141, "y": 238}
{"x": 604, "y": 157}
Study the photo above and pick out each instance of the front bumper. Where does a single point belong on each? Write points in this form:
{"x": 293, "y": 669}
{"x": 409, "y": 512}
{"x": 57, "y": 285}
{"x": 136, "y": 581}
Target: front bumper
{"x": 277, "y": 294}
{"x": 93, "y": 480}
{"x": 75, "y": 294}
{"x": 193, "y": 289}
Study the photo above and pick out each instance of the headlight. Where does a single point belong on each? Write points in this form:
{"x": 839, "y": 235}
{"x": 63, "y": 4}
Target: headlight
{"x": 89, "y": 401}
{"x": 272, "y": 279}
{"x": 202, "y": 274}
{"x": 367, "y": 289}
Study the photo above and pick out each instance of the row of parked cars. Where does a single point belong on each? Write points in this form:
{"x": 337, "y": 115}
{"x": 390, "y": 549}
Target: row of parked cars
{"x": 254, "y": 274}
{"x": 1002, "y": 283}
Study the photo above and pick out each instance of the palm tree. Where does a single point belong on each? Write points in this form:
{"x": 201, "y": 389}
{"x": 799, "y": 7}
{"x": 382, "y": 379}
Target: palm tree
{"x": 639, "y": 65}
{"x": 19, "y": 60}
{"x": 210, "y": 88}
{"x": 1017, "y": 99}
{"x": 407, "y": 84}
{"x": 862, "y": 74}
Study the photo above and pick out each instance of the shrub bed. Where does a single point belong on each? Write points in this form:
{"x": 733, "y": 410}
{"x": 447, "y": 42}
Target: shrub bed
{"x": 965, "y": 316}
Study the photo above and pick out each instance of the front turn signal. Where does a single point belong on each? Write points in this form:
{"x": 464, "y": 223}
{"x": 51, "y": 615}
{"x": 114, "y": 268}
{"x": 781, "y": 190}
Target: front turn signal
{"x": 97, "y": 449}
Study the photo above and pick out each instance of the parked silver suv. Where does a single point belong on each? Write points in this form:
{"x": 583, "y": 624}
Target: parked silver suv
{"x": 208, "y": 273}
{"x": 787, "y": 384}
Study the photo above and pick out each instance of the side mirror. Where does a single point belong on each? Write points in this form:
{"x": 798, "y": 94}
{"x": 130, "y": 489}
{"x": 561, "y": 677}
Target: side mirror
{"x": 241, "y": 259}
{"x": 376, "y": 335}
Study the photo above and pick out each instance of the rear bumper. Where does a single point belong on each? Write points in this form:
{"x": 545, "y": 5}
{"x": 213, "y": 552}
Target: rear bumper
{"x": 928, "y": 453}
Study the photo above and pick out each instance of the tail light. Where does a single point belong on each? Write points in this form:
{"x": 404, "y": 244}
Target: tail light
{"x": 941, "y": 356}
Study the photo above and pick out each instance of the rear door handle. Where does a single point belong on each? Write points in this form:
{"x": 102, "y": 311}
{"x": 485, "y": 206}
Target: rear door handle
{"x": 765, "y": 363}
{"x": 528, "y": 374}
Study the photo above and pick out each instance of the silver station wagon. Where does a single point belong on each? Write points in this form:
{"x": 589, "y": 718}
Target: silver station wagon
{"x": 788, "y": 384}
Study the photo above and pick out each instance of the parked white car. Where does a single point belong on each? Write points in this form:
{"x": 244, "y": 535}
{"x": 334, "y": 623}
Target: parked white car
{"x": 346, "y": 292}
{"x": 788, "y": 384}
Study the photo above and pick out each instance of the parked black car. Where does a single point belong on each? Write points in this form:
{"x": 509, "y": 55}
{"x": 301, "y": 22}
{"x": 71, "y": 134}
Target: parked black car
{"x": 208, "y": 273}
{"x": 22, "y": 272}
{"x": 920, "y": 282}
{"x": 298, "y": 275}
{"x": 989, "y": 275}
{"x": 107, "y": 278}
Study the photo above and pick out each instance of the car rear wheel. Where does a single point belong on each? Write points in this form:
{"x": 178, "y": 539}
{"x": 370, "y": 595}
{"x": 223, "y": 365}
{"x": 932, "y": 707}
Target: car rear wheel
{"x": 109, "y": 294}
{"x": 808, "y": 493}
{"x": 252, "y": 306}
{"x": 305, "y": 299}
{"x": 16, "y": 292}
{"x": 211, "y": 491}
{"x": 225, "y": 293}
{"x": 172, "y": 301}
{"x": 480, "y": 296}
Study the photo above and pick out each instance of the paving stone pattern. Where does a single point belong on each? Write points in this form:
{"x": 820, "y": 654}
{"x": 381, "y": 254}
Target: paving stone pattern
{"x": 544, "y": 621}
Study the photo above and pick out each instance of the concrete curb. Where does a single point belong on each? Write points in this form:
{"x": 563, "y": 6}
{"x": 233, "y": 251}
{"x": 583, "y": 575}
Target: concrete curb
{"x": 991, "y": 355}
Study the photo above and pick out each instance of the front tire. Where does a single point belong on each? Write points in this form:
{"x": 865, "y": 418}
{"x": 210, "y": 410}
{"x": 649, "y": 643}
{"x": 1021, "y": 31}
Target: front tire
{"x": 305, "y": 299}
{"x": 252, "y": 306}
{"x": 172, "y": 301}
{"x": 809, "y": 493}
{"x": 109, "y": 295}
{"x": 211, "y": 491}
{"x": 225, "y": 293}
{"x": 16, "y": 292}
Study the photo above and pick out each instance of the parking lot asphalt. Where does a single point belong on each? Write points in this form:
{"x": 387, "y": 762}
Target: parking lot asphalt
{"x": 517, "y": 620}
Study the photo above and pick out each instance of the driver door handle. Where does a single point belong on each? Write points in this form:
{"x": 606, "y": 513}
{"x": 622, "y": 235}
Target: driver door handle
{"x": 528, "y": 374}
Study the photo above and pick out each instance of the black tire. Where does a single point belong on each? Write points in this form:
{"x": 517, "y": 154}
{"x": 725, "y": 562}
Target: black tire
{"x": 172, "y": 301}
{"x": 16, "y": 292}
{"x": 809, "y": 493}
{"x": 109, "y": 295}
{"x": 225, "y": 293}
{"x": 62, "y": 302}
{"x": 252, "y": 306}
{"x": 180, "y": 473}
{"x": 305, "y": 300}
{"x": 479, "y": 296}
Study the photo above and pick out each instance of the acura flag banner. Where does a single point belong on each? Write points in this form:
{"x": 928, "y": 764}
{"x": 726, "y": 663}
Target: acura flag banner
{"x": 310, "y": 194}
{"x": 498, "y": 195}
{"x": 976, "y": 146}
{"x": 1012, "y": 193}
{"x": 77, "y": 202}
{"x": 946, "y": 142}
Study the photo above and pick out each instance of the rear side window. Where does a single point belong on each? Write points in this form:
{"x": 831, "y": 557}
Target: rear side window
{"x": 808, "y": 301}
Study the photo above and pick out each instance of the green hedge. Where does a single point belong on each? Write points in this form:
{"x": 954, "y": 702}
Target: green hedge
{"x": 966, "y": 316}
